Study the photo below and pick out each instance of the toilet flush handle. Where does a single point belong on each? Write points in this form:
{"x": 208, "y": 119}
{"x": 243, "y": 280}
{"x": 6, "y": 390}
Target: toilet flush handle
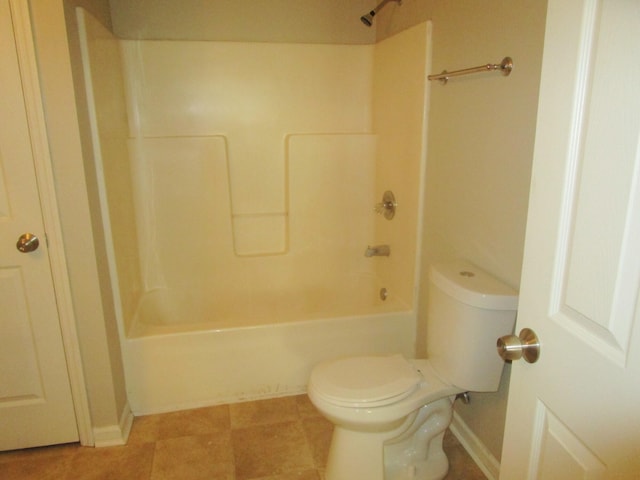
{"x": 524, "y": 345}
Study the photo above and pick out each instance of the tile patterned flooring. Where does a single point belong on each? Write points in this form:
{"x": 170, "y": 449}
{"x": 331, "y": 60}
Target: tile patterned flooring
{"x": 277, "y": 439}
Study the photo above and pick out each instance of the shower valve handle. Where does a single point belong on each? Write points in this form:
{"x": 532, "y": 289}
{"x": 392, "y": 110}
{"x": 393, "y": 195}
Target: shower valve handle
{"x": 388, "y": 205}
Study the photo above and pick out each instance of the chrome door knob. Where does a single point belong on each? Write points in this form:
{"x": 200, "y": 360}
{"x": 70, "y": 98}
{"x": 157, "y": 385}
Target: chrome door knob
{"x": 524, "y": 345}
{"x": 27, "y": 242}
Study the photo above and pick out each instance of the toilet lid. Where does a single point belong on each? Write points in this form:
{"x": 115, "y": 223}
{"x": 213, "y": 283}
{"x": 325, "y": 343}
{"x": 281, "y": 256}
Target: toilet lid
{"x": 370, "y": 381}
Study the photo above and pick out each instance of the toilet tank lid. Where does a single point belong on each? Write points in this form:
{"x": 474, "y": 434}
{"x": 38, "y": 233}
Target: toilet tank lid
{"x": 469, "y": 284}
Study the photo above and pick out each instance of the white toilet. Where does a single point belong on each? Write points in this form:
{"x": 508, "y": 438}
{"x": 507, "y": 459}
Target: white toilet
{"x": 390, "y": 413}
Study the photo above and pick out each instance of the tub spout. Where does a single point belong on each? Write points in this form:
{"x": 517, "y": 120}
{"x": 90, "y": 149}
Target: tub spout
{"x": 377, "y": 251}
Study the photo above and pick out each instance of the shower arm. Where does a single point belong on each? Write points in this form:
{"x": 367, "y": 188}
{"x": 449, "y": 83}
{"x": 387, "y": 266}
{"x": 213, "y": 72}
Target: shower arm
{"x": 383, "y": 3}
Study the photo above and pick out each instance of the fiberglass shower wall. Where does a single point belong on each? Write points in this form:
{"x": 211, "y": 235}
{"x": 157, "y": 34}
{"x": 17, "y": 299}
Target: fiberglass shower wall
{"x": 253, "y": 170}
{"x": 253, "y": 167}
{"x": 106, "y": 102}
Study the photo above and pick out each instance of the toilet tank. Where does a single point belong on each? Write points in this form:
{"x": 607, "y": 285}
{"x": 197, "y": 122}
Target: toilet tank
{"x": 468, "y": 309}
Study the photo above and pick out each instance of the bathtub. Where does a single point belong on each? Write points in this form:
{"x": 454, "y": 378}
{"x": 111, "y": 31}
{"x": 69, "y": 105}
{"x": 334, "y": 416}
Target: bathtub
{"x": 174, "y": 363}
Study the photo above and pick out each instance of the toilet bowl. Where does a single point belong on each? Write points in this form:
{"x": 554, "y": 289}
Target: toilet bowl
{"x": 390, "y": 413}
{"x": 382, "y": 410}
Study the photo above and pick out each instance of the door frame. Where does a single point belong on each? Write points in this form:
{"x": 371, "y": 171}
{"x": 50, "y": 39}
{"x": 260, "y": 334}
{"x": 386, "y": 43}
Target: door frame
{"x": 25, "y": 50}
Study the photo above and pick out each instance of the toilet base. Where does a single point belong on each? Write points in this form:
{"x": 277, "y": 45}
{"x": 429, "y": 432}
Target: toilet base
{"x": 412, "y": 451}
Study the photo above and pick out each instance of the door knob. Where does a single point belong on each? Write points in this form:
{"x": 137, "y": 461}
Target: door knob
{"x": 27, "y": 242}
{"x": 524, "y": 345}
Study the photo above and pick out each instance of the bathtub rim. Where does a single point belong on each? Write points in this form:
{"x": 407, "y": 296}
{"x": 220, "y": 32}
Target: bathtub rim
{"x": 140, "y": 331}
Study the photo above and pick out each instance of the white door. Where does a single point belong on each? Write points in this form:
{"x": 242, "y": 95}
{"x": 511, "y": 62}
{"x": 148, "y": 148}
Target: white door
{"x": 36, "y": 406}
{"x": 576, "y": 412}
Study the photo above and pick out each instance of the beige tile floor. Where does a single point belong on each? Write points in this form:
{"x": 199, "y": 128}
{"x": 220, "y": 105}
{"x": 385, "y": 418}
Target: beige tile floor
{"x": 276, "y": 439}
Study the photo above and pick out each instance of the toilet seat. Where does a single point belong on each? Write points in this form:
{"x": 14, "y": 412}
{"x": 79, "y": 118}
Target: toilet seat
{"x": 365, "y": 381}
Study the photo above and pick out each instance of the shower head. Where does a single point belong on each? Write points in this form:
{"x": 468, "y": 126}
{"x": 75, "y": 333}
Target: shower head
{"x": 368, "y": 18}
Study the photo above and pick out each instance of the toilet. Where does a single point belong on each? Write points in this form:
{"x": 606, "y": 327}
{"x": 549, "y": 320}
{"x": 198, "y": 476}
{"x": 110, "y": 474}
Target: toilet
{"x": 389, "y": 412}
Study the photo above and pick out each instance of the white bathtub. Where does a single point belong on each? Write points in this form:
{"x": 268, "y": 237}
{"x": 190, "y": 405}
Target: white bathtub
{"x": 178, "y": 365}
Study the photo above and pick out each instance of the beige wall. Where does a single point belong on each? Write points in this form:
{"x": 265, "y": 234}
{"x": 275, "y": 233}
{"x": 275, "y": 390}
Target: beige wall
{"x": 480, "y": 144}
{"x": 298, "y": 21}
{"x": 78, "y": 203}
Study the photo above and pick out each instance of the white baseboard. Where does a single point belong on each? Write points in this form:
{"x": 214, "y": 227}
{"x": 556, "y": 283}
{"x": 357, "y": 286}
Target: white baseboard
{"x": 475, "y": 448}
{"x": 114, "y": 434}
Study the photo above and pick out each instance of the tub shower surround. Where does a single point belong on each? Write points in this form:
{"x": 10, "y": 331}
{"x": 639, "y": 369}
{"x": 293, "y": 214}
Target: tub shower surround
{"x": 238, "y": 183}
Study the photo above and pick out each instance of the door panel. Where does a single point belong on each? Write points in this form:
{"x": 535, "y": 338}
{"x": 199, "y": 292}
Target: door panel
{"x": 557, "y": 450}
{"x": 36, "y": 406}
{"x": 18, "y": 384}
{"x": 600, "y": 185}
{"x": 574, "y": 413}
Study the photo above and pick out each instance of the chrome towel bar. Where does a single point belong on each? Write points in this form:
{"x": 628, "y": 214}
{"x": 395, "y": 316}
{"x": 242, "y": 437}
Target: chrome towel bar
{"x": 505, "y": 67}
